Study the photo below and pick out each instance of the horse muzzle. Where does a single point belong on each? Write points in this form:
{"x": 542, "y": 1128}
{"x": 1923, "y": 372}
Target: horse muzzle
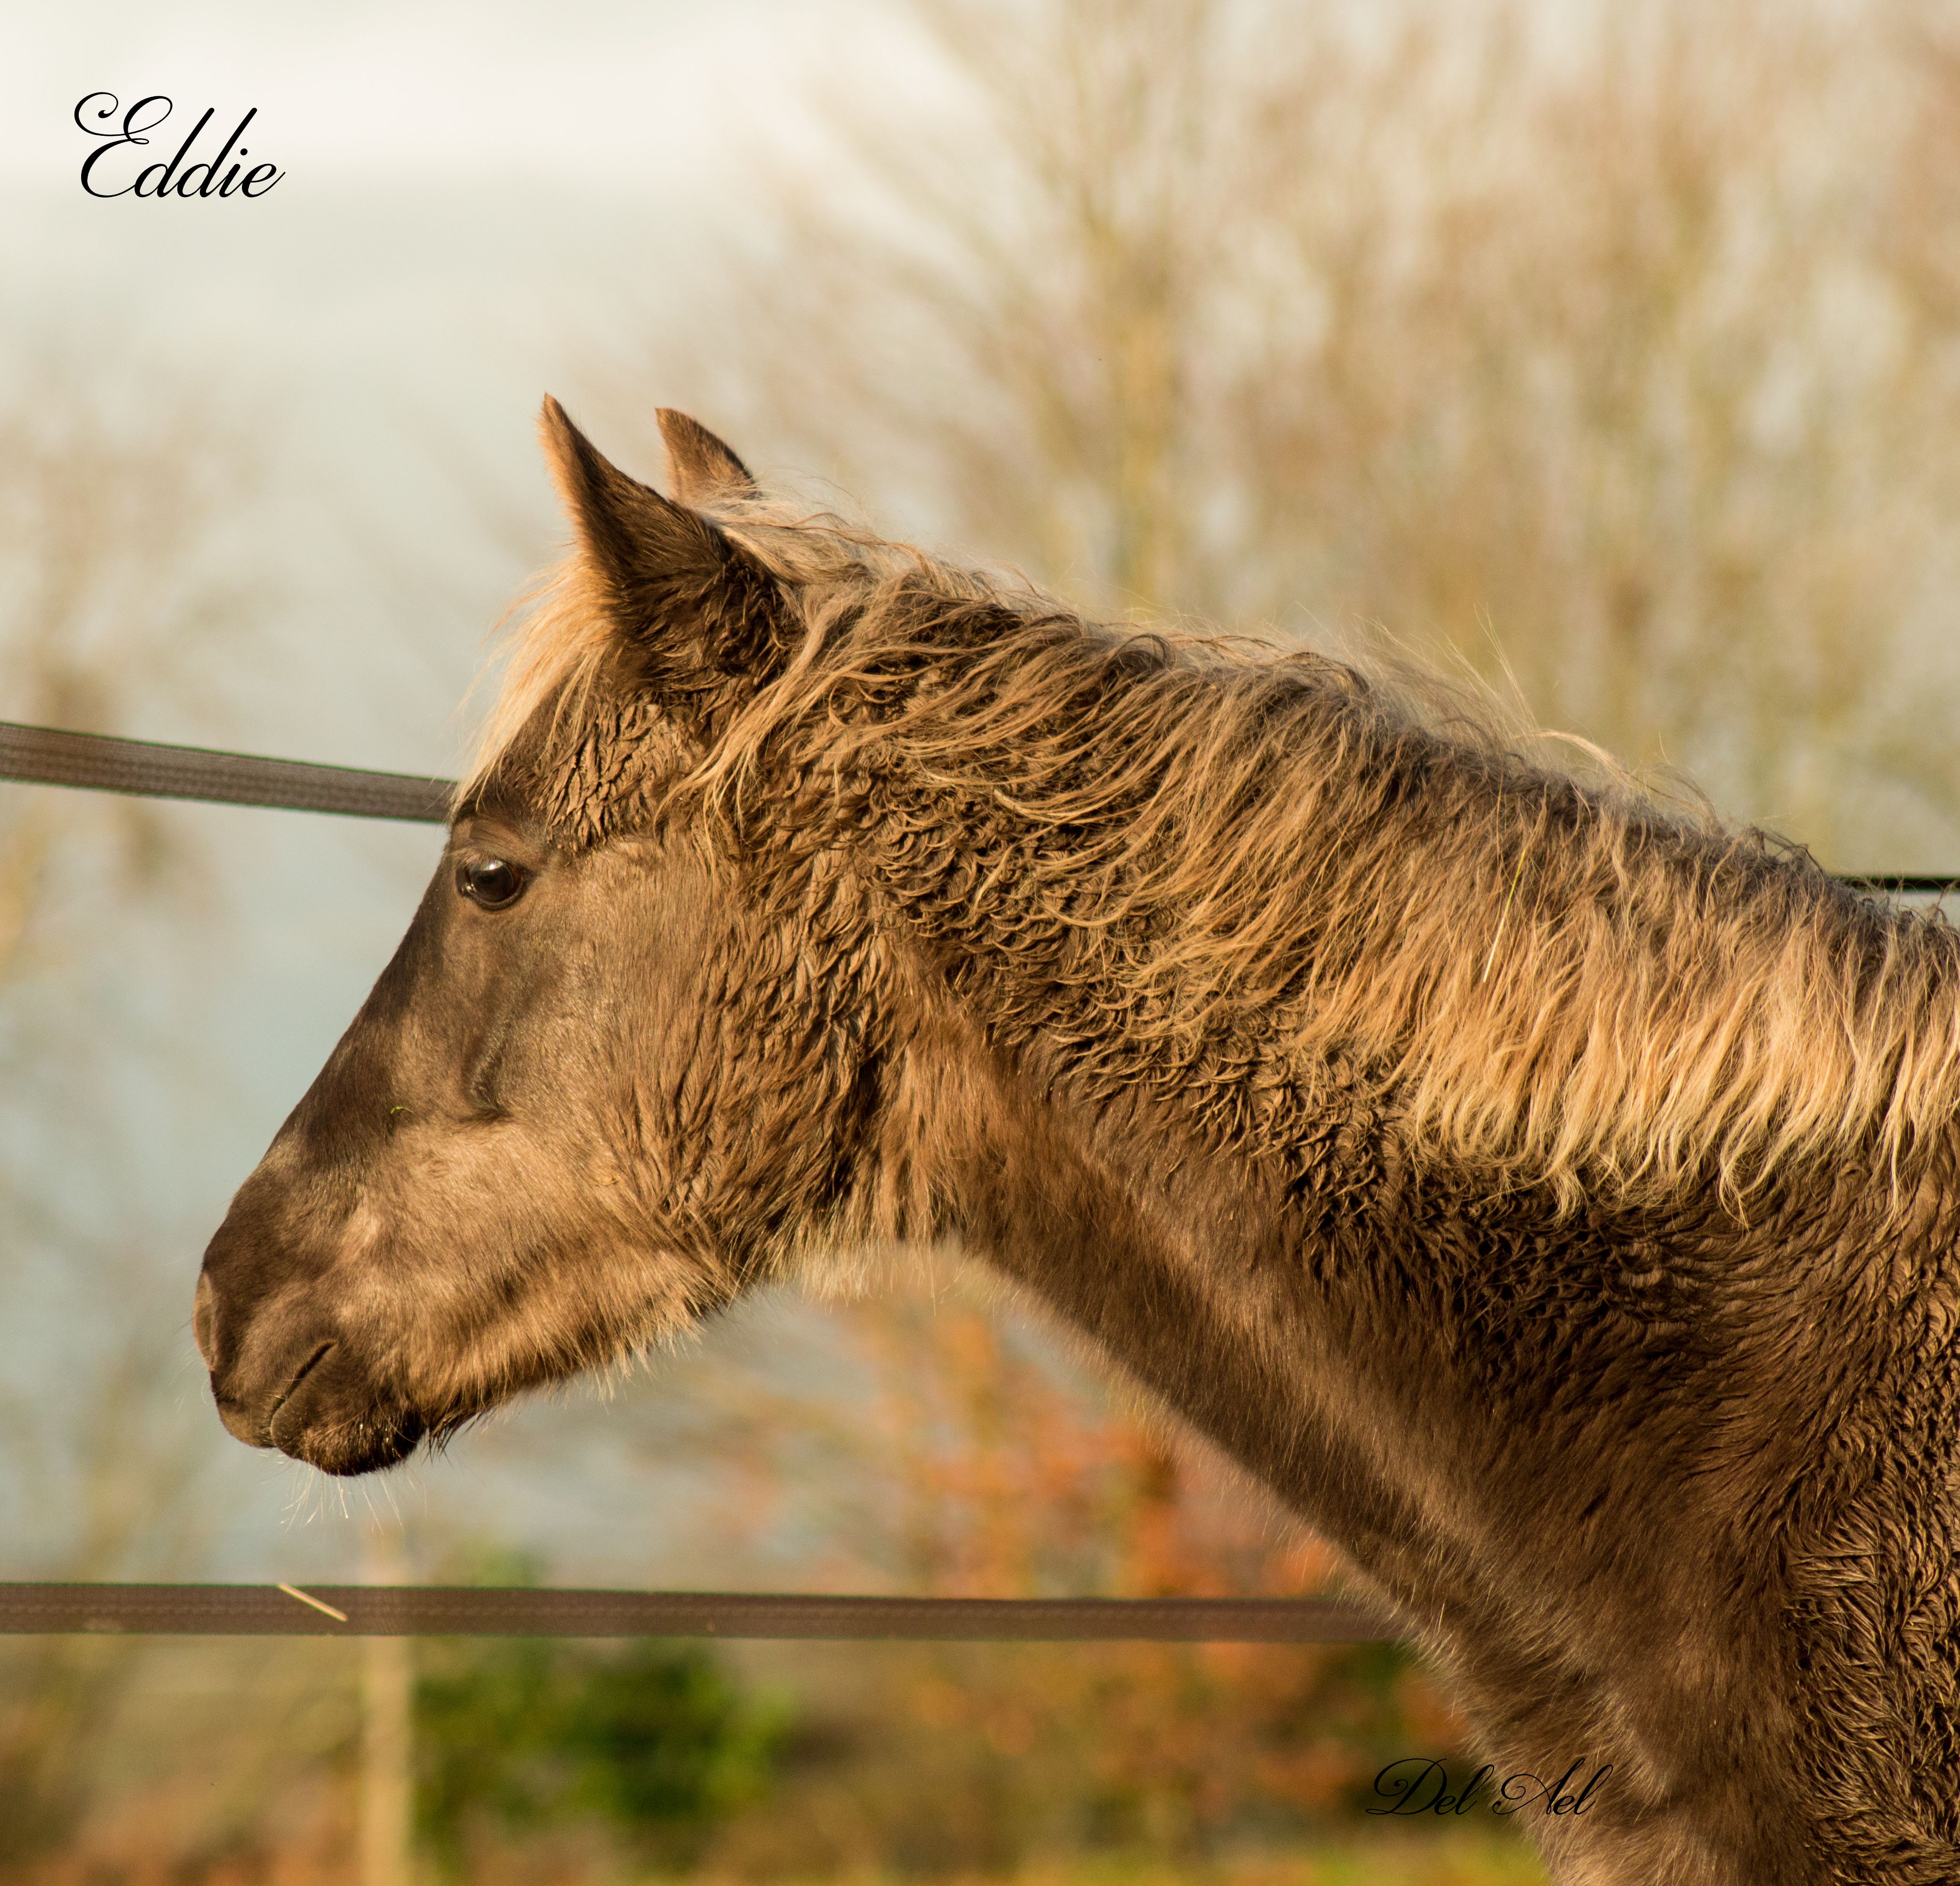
{"x": 281, "y": 1381}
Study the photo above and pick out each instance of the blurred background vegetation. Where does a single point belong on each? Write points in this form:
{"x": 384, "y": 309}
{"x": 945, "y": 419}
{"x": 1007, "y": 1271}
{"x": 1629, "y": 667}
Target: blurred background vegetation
{"x": 1608, "y": 355}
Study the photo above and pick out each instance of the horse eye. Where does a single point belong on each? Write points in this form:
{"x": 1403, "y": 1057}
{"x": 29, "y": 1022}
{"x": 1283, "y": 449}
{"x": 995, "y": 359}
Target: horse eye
{"x": 489, "y": 883}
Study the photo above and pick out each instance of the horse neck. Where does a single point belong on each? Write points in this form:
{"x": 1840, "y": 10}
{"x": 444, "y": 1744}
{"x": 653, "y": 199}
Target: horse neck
{"x": 1592, "y": 1457}
{"x": 1611, "y": 1462}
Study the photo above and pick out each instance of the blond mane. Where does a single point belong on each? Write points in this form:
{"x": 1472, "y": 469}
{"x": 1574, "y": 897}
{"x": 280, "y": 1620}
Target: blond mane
{"x": 1552, "y": 982}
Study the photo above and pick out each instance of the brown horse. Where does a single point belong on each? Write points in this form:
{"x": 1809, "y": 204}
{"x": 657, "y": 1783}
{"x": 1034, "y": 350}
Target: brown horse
{"x": 1552, "y": 1196}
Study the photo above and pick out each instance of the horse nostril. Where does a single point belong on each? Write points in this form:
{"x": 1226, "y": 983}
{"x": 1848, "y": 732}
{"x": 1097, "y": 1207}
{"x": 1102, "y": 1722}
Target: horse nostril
{"x": 203, "y": 1322}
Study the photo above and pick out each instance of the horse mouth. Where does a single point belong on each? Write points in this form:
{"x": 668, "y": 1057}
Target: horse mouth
{"x": 331, "y": 1418}
{"x": 305, "y": 1368}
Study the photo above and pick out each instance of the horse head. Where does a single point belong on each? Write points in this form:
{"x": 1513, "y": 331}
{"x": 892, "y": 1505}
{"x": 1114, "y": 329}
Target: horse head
{"x": 618, "y": 1070}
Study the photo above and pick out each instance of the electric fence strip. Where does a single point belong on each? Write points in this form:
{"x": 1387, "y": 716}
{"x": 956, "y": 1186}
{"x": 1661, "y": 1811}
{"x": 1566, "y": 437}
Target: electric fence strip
{"x": 48, "y": 756}
{"x": 440, "y": 1611}
{"x": 101, "y": 762}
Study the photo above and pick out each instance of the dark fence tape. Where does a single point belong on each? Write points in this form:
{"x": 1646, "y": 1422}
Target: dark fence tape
{"x": 403, "y": 1610}
{"x": 1901, "y": 887}
{"x": 47, "y": 756}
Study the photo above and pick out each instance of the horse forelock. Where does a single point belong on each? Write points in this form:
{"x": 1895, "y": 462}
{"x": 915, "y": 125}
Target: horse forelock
{"x": 1203, "y": 855}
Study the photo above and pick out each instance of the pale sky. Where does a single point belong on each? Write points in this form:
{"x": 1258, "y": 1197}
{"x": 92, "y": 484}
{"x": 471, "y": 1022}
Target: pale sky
{"x": 582, "y": 90}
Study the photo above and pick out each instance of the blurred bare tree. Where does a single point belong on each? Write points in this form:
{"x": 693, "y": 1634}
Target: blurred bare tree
{"x": 110, "y": 504}
{"x": 1610, "y": 350}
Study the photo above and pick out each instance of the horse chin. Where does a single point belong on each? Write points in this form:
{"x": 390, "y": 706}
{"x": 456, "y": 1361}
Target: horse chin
{"x": 332, "y": 1419}
{"x": 346, "y": 1448}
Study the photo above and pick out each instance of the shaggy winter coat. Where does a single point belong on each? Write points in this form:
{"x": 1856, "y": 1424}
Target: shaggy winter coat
{"x": 1551, "y": 1197}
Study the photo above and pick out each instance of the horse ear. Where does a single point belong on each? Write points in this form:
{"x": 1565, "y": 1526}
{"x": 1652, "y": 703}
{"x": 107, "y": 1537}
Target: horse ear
{"x": 695, "y": 604}
{"x": 701, "y": 467}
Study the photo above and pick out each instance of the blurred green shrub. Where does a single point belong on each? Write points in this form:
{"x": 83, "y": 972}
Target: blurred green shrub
{"x": 655, "y": 1741}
